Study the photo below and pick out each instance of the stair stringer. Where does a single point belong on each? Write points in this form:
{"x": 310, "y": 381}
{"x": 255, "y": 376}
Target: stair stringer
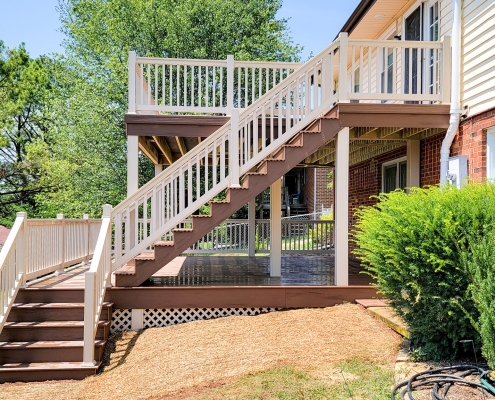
{"x": 253, "y": 183}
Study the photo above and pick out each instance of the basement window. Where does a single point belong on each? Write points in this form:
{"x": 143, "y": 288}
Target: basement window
{"x": 394, "y": 175}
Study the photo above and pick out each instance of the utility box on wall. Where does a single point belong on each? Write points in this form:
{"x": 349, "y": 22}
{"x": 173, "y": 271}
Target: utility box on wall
{"x": 457, "y": 173}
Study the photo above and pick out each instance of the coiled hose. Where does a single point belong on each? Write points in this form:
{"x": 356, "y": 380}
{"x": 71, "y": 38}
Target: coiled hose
{"x": 440, "y": 380}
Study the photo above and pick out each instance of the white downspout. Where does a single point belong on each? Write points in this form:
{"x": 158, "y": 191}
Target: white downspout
{"x": 455, "y": 104}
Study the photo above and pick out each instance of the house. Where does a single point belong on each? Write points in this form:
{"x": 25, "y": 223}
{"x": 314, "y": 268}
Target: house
{"x": 402, "y": 97}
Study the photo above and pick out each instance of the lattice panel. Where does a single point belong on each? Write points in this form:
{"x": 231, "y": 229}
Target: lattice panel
{"x": 172, "y": 316}
{"x": 121, "y": 320}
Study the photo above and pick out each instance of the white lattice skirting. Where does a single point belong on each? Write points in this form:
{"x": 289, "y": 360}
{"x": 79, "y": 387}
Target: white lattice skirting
{"x": 126, "y": 319}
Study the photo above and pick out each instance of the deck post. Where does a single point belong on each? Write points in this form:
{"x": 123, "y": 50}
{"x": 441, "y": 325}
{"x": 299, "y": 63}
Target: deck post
{"x": 276, "y": 228}
{"x": 230, "y": 84}
{"x": 341, "y": 214}
{"x": 252, "y": 228}
{"x": 132, "y": 164}
{"x": 413, "y": 163}
{"x": 158, "y": 168}
{"x": 60, "y": 271}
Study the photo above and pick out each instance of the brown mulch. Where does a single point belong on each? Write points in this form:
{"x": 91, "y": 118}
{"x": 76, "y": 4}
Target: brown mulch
{"x": 166, "y": 361}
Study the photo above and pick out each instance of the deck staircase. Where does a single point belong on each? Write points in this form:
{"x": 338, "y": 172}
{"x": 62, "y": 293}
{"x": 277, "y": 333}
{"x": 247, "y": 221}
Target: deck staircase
{"x": 308, "y": 140}
{"x": 43, "y": 336}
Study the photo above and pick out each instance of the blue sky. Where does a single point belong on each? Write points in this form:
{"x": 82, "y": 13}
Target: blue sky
{"x": 314, "y": 23}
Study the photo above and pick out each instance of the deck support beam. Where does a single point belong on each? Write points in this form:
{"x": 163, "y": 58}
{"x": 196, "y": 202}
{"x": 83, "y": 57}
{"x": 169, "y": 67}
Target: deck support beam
{"x": 342, "y": 208}
{"x": 276, "y": 228}
{"x": 251, "y": 228}
{"x": 132, "y": 164}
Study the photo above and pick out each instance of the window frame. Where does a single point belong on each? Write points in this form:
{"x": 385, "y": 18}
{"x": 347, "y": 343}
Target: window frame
{"x": 397, "y": 162}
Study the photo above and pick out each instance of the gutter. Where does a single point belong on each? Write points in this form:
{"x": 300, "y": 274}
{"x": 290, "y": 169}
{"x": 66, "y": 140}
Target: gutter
{"x": 455, "y": 104}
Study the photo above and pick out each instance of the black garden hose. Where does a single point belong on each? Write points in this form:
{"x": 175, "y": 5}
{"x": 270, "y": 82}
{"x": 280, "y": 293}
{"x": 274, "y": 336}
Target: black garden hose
{"x": 440, "y": 380}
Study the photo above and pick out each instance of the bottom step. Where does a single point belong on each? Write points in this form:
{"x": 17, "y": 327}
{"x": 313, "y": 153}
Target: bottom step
{"x": 34, "y": 372}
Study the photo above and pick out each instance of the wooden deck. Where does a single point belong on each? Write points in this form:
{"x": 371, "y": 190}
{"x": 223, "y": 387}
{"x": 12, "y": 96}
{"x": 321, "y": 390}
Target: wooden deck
{"x": 230, "y": 281}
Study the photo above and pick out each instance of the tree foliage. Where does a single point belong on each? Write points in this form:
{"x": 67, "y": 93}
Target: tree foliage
{"x": 24, "y": 89}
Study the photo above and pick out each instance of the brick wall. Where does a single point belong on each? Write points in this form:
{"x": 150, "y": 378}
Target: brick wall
{"x": 324, "y": 196}
{"x": 469, "y": 141}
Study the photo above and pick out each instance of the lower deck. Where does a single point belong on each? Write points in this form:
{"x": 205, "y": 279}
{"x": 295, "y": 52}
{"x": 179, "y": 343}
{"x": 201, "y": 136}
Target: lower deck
{"x": 231, "y": 282}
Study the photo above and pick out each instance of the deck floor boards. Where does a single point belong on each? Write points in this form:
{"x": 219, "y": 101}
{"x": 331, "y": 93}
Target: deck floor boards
{"x": 230, "y": 270}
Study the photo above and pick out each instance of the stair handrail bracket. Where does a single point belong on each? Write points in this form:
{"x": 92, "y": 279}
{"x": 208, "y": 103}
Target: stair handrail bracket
{"x": 12, "y": 266}
{"x": 96, "y": 280}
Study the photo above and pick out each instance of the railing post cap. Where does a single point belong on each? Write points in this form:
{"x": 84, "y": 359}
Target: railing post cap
{"x": 85, "y": 216}
{"x": 60, "y": 216}
{"x": 107, "y": 210}
{"x": 21, "y": 214}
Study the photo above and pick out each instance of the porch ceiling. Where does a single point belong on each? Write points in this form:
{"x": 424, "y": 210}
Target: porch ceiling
{"x": 370, "y": 18}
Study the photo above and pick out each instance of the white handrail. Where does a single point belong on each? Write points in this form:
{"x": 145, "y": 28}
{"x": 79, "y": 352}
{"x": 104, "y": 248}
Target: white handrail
{"x": 96, "y": 280}
{"x": 192, "y": 85}
{"x": 36, "y": 247}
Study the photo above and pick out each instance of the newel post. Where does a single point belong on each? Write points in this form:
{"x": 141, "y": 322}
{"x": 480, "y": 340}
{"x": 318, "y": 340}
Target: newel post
{"x": 230, "y": 84}
{"x": 132, "y": 82}
{"x": 326, "y": 80}
{"x": 107, "y": 251}
{"x": 22, "y": 246}
{"x": 62, "y": 244}
{"x": 86, "y": 218}
{"x": 234, "y": 149}
{"x": 344, "y": 42}
{"x": 446, "y": 69}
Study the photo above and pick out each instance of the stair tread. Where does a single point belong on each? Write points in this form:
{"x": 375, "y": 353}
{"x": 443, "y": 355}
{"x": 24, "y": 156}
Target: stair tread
{"x": 28, "y": 306}
{"x": 49, "y": 324}
{"x": 47, "y": 344}
{"x": 164, "y": 243}
{"x": 62, "y": 365}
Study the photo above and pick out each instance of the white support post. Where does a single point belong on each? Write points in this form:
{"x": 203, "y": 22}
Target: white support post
{"x": 137, "y": 319}
{"x": 342, "y": 208}
{"x": 131, "y": 109}
{"x": 326, "y": 73}
{"x": 343, "y": 38}
{"x": 22, "y": 239}
{"x": 230, "y": 84}
{"x": 158, "y": 169}
{"x": 252, "y": 228}
{"x": 413, "y": 163}
{"x": 62, "y": 245}
{"x": 276, "y": 228}
{"x": 234, "y": 149}
{"x": 89, "y": 309}
{"x": 132, "y": 164}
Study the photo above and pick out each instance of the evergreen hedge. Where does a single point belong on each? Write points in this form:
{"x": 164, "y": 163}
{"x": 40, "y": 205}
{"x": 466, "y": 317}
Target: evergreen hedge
{"x": 411, "y": 244}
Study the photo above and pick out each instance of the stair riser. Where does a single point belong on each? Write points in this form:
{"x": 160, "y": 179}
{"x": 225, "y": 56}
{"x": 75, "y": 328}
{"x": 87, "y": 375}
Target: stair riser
{"x": 34, "y": 334}
{"x": 53, "y": 314}
{"x": 44, "y": 375}
{"x": 38, "y": 355}
{"x": 50, "y": 296}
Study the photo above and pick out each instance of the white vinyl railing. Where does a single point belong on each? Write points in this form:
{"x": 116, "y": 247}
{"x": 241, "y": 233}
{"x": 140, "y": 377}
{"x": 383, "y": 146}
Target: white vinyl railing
{"x": 397, "y": 71}
{"x": 208, "y": 86}
{"x": 298, "y": 236}
{"x": 96, "y": 281}
{"x": 252, "y": 134}
{"x": 36, "y": 247}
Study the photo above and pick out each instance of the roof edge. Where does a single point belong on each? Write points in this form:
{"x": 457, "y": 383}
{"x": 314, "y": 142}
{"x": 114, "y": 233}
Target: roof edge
{"x": 357, "y": 16}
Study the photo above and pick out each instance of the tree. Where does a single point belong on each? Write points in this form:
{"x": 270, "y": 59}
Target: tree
{"x": 86, "y": 160}
{"x": 24, "y": 84}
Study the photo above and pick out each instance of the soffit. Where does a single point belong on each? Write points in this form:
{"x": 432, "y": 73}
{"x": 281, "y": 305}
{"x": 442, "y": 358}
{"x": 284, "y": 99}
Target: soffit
{"x": 370, "y": 27}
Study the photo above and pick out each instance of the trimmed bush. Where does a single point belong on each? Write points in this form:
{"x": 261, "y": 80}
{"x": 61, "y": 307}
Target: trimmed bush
{"x": 479, "y": 261}
{"x": 410, "y": 244}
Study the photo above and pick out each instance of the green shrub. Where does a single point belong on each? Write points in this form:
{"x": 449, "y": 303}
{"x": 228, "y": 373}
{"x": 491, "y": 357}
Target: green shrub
{"x": 410, "y": 244}
{"x": 479, "y": 260}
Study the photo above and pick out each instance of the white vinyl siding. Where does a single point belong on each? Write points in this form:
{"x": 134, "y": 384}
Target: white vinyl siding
{"x": 478, "y": 41}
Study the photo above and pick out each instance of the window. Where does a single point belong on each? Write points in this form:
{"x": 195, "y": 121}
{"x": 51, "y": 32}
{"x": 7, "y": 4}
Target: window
{"x": 433, "y": 59}
{"x": 490, "y": 153}
{"x": 394, "y": 175}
